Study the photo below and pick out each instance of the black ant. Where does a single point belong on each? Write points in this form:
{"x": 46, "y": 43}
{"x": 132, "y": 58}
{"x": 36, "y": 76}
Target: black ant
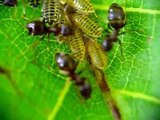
{"x": 117, "y": 20}
{"x": 68, "y": 65}
{"x": 39, "y": 28}
{"x": 10, "y": 3}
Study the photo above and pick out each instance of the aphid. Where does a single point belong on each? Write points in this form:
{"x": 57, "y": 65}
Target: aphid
{"x": 67, "y": 64}
{"x": 82, "y": 5}
{"x": 117, "y": 20}
{"x": 96, "y": 54}
{"x": 11, "y": 3}
{"x": 63, "y": 1}
{"x": 51, "y": 12}
{"x": 39, "y": 28}
{"x": 33, "y": 3}
{"x": 77, "y": 46}
{"x": 87, "y": 25}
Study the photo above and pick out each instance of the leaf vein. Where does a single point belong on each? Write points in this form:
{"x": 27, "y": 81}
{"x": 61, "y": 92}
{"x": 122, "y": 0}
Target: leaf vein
{"x": 138, "y": 10}
{"x": 138, "y": 95}
{"x": 60, "y": 100}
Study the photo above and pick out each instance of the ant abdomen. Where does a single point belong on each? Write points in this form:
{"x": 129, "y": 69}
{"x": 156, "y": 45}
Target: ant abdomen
{"x": 10, "y": 3}
{"x": 36, "y": 28}
{"x": 107, "y": 45}
{"x": 116, "y": 16}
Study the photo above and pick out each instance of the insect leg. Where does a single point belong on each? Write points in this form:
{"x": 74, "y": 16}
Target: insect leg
{"x": 120, "y": 44}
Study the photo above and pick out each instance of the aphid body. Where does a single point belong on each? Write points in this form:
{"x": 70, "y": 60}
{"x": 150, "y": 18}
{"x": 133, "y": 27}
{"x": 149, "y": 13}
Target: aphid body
{"x": 77, "y": 46}
{"x": 68, "y": 65}
{"x": 96, "y": 54}
{"x": 87, "y": 25}
{"x": 33, "y": 3}
{"x": 63, "y": 1}
{"x": 82, "y": 6}
{"x": 51, "y": 11}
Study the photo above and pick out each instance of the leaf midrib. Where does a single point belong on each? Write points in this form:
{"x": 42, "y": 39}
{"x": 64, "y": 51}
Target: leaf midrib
{"x": 138, "y": 10}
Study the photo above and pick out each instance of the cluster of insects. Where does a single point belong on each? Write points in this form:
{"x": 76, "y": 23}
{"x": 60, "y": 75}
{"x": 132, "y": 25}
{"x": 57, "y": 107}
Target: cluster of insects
{"x": 71, "y": 22}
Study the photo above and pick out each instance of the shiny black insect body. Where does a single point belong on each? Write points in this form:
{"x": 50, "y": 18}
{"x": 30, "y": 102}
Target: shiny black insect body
{"x": 10, "y": 3}
{"x": 117, "y": 20}
{"x": 39, "y": 28}
{"x": 33, "y": 3}
{"x": 69, "y": 65}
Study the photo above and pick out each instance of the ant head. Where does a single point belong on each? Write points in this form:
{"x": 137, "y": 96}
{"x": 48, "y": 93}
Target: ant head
{"x": 66, "y": 30}
{"x": 85, "y": 91}
{"x": 65, "y": 62}
{"x": 36, "y": 27}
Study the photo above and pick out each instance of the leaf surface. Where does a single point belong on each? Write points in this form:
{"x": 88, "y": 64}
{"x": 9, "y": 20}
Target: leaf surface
{"x": 33, "y": 87}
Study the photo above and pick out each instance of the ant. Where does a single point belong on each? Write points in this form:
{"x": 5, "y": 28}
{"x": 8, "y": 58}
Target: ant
{"x": 68, "y": 65}
{"x": 39, "y": 28}
{"x": 117, "y": 20}
{"x": 10, "y": 3}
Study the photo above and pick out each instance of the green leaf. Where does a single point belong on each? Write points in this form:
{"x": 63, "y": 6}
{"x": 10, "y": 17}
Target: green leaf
{"x": 31, "y": 86}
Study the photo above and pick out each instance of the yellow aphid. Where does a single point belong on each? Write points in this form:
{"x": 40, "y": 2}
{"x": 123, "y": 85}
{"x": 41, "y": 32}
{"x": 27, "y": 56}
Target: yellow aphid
{"x": 82, "y": 5}
{"x": 77, "y": 46}
{"x": 97, "y": 56}
{"x": 51, "y": 11}
{"x": 87, "y": 25}
{"x": 63, "y": 1}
